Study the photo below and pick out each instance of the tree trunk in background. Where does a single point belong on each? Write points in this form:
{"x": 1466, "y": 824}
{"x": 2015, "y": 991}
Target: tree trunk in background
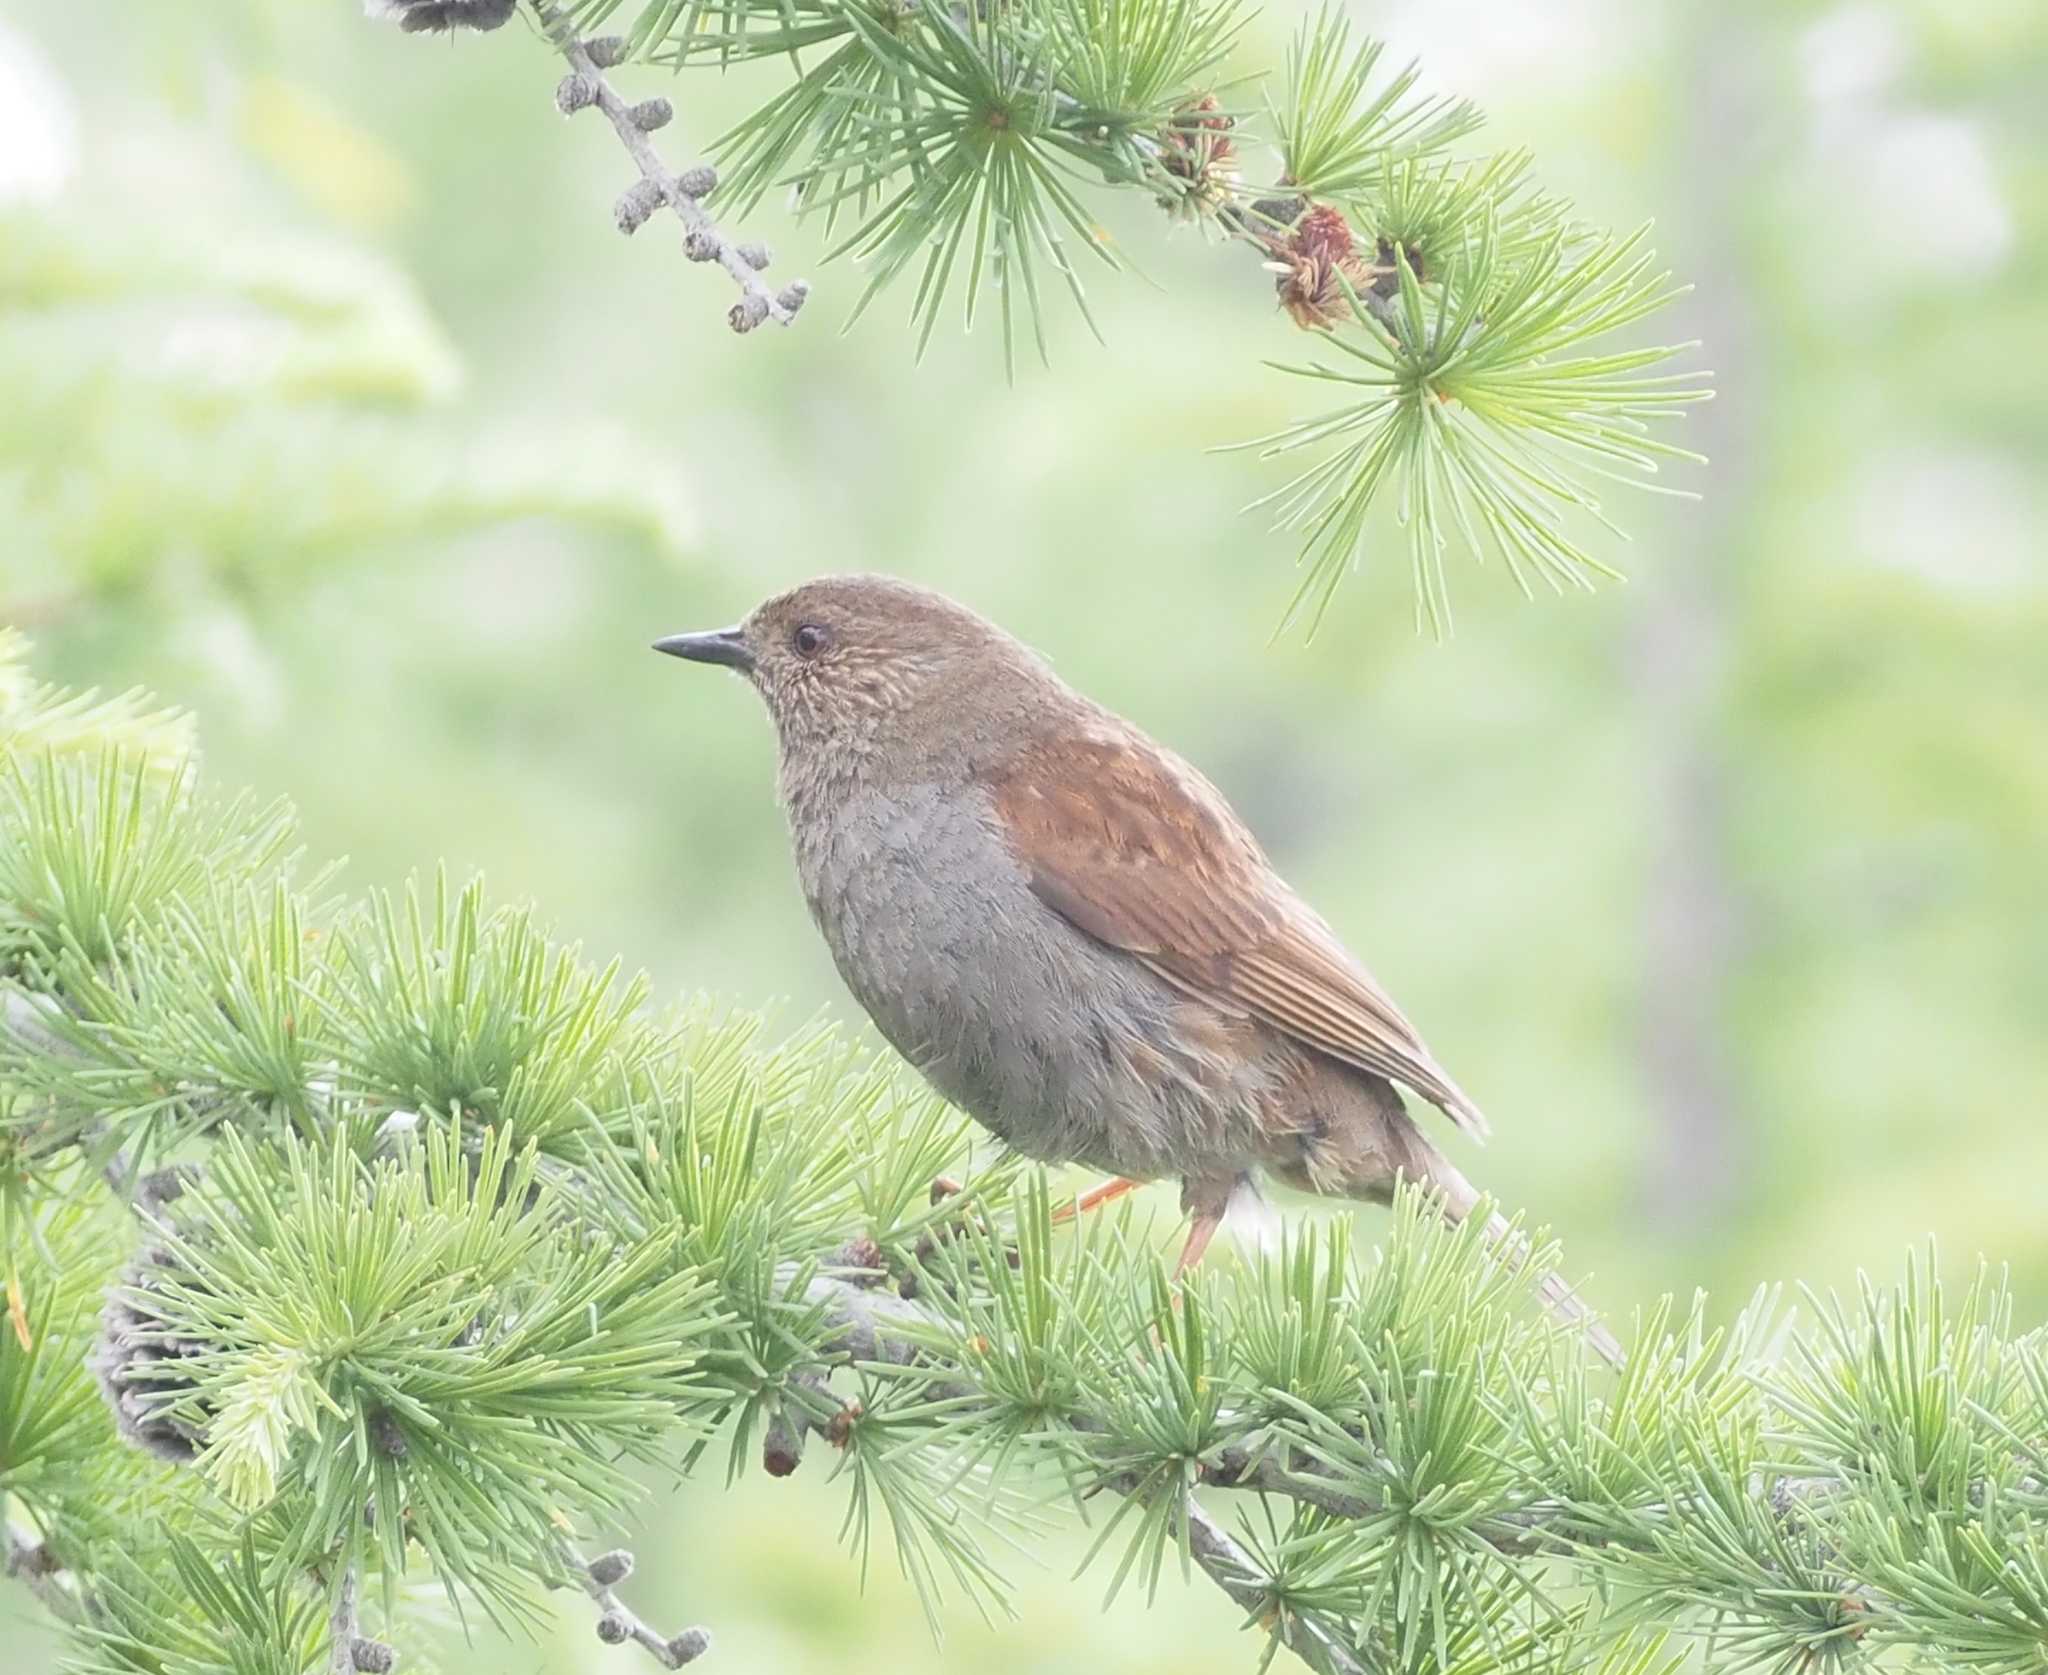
{"x": 1679, "y": 654}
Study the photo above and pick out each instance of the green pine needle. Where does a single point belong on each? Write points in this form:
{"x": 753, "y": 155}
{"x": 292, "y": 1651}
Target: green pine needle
{"x": 1481, "y": 410}
{"x": 1336, "y": 131}
{"x": 1130, "y": 64}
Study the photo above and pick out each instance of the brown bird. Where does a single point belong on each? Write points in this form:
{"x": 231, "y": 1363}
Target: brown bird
{"x": 1066, "y": 928}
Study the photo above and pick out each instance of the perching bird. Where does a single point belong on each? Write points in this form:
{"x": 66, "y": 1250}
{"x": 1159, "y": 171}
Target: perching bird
{"x": 1065, "y": 927}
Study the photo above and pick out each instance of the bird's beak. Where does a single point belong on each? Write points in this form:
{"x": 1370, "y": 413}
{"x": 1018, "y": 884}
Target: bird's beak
{"x": 723, "y": 645}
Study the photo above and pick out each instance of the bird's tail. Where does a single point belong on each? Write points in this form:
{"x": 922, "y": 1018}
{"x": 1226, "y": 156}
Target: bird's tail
{"x": 1458, "y": 1198}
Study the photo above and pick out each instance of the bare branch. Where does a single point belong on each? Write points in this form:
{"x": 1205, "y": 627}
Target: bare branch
{"x": 704, "y": 240}
{"x": 33, "y": 1565}
{"x": 618, "y": 1623}
{"x": 28, "y": 1018}
{"x": 341, "y": 1628}
{"x": 349, "y": 1651}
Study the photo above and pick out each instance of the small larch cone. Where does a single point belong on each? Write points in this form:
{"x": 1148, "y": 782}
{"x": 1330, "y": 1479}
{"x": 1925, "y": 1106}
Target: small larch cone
{"x": 138, "y": 1359}
{"x": 1313, "y": 263}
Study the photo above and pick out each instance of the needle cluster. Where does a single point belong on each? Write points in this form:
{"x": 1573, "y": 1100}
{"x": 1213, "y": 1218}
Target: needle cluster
{"x": 400, "y": 1234}
{"x": 1474, "y": 346}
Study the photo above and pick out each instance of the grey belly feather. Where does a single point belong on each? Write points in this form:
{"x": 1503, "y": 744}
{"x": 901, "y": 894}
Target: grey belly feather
{"x": 1064, "y": 1049}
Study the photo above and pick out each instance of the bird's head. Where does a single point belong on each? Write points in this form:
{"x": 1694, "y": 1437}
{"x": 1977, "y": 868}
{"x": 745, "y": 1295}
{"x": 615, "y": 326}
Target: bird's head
{"x": 861, "y": 663}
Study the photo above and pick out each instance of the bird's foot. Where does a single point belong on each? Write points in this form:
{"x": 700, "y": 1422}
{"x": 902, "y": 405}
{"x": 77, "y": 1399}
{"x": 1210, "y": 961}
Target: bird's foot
{"x": 1103, "y": 1193}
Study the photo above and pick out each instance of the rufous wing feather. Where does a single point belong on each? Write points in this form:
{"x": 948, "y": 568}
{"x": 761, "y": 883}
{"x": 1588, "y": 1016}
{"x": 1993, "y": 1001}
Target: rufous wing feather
{"x": 1135, "y": 848}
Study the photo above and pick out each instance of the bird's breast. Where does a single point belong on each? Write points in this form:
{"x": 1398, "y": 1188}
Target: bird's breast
{"x": 1062, "y": 1047}
{"x": 914, "y": 896}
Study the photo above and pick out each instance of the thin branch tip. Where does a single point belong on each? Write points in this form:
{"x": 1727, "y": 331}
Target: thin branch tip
{"x": 618, "y": 1623}
{"x": 584, "y": 88}
{"x": 343, "y": 1631}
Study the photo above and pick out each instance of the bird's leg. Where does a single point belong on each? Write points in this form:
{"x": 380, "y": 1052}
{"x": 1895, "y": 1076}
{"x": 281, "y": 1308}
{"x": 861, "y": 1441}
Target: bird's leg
{"x": 1203, "y": 1200}
{"x": 1102, "y": 1193}
{"x": 1204, "y": 1229}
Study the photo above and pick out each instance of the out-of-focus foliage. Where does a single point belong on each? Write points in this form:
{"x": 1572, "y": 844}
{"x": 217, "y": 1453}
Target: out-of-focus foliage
{"x": 201, "y": 396}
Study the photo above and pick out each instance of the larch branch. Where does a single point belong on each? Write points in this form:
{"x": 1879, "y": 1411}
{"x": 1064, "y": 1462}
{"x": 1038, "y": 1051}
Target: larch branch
{"x": 704, "y": 240}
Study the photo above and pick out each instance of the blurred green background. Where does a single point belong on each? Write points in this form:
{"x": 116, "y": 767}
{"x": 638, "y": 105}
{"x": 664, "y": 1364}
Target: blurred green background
{"x": 332, "y": 408}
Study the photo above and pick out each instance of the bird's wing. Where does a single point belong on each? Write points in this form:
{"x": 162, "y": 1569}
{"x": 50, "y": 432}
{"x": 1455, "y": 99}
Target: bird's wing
{"x": 1134, "y": 847}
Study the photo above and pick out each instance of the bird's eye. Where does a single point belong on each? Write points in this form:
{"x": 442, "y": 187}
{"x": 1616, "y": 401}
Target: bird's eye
{"x": 809, "y": 640}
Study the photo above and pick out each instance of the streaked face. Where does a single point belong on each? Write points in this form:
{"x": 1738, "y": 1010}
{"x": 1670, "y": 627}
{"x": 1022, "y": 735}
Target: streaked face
{"x": 835, "y": 656}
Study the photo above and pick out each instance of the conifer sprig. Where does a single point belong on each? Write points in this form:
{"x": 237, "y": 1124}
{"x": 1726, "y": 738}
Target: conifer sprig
{"x": 1484, "y": 347}
{"x": 440, "y": 1233}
